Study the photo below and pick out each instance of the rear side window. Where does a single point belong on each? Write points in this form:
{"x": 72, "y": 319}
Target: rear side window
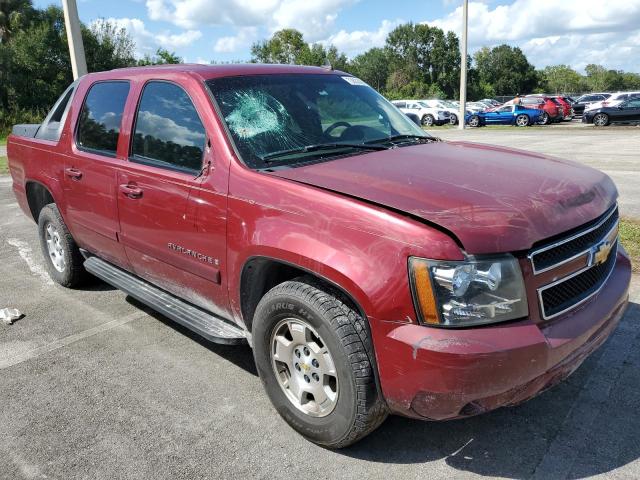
{"x": 168, "y": 130}
{"x": 100, "y": 117}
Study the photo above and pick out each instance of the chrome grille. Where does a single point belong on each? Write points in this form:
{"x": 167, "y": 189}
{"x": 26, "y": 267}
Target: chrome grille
{"x": 597, "y": 244}
{"x": 560, "y": 252}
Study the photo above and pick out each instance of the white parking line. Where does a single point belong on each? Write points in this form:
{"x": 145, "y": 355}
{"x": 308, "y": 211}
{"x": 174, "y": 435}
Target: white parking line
{"x": 63, "y": 342}
{"x": 25, "y": 252}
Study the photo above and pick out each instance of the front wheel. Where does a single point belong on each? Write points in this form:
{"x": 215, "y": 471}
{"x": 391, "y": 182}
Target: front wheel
{"x": 474, "y": 121}
{"x": 601, "y": 120}
{"x": 428, "y": 120}
{"x": 545, "y": 119}
{"x": 311, "y": 353}
{"x": 522, "y": 120}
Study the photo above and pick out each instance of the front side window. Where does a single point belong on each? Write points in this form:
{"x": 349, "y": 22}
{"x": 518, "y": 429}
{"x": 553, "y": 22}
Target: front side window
{"x": 100, "y": 117}
{"x": 270, "y": 115}
{"x": 634, "y": 103}
{"x": 168, "y": 131}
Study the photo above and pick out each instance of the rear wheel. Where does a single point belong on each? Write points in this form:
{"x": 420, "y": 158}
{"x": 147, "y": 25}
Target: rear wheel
{"x": 311, "y": 351}
{"x": 62, "y": 256}
{"x": 601, "y": 120}
{"x": 522, "y": 120}
{"x": 428, "y": 120}
{"x": 453, "y": 119}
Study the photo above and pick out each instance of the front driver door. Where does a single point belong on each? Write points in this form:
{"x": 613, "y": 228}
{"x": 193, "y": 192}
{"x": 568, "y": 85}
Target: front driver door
{"x": 160, "y": 190}
{"x": 631, "y": 110}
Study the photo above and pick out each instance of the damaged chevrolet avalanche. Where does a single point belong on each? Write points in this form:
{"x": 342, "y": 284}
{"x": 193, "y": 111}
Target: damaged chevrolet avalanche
{"x": 373, "y": 268}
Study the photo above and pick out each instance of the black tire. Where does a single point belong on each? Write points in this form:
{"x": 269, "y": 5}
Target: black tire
{"x": 474, "y": 121}
{"x": 522, "y": 120}
{"x": 601, "y": 119}
{"x": 359, "y": 408}
{"x": 73, "y": 274}
{"x": 545, "y": 119}
{"x": 428, "y": 120}
{"x": 453, "y": 119}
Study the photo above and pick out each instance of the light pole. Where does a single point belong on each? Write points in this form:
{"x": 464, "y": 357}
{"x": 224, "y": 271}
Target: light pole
{"x": 463, "y": 66}
{"x": 74, "y": 37}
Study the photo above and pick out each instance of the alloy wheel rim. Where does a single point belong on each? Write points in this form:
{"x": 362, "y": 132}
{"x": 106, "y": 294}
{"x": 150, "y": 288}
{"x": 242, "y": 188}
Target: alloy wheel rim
{"x": 474, "y": 121}
{"x": 54, "y": 248}
{"x": 600, "y": 120}
{"x": 304, "y": 367}
{"x": 522, "y": 120}
{"x": 427, "y": 121}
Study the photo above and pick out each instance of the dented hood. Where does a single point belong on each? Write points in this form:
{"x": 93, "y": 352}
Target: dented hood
{"x": 492, "y": 199}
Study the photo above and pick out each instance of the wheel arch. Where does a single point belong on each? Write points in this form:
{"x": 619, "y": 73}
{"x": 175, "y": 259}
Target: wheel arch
{"x": 38, "y": 196}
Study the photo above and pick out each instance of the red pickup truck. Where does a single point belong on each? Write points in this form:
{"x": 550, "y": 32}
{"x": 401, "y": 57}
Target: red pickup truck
{"x": 373, "y": 268}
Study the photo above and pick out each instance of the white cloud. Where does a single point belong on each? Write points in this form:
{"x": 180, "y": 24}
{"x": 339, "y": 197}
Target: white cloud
{"x": 178, "y": 40}
{"x": 358, "y": 41}
{"x": 231, "y": 44}
{"x": 576, "y": 32}
{"x": 147, "y": 42}
{"x": 162, "y": 127}
{"x": 313, "y": 18}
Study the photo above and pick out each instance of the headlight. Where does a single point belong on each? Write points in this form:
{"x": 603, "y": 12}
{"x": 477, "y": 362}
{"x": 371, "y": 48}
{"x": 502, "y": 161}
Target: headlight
{"x": 472, "y": 292}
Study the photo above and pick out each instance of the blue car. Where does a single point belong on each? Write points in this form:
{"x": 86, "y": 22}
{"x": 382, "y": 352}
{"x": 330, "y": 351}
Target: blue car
{"x": 507, "y": 115}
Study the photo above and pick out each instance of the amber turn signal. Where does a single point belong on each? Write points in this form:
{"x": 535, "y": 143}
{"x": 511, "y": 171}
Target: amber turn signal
{"x": 423, "y": 291}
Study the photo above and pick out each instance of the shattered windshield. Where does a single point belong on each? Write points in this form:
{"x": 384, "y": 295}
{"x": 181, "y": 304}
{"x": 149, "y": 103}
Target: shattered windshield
{"x": 269, "y": 116}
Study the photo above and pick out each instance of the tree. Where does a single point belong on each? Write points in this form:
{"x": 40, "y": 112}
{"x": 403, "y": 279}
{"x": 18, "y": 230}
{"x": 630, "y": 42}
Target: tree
{"x": 562, "y": 79}
{"x": 506, "y": 69}
{"x": 285, "y": 46}
{"x": 372, "y": 67}
{"x": 425, "y": 54}
{"x": 161, "y": 57}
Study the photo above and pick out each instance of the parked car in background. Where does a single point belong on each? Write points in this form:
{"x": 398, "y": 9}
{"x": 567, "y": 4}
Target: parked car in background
{"x": 627, "y": 111}
{"x": 614, "y": 100}
{"x": 475, "y": 107}
{"x": 444, "y": 105}
{"x": 517, "y": 115}
{"x": 491, "y": 101}
{"x": 585, "y": 100}
{"x": 551, "y": 111}
{"x": 567, "y": 112}
{"x": 428, "y": 116}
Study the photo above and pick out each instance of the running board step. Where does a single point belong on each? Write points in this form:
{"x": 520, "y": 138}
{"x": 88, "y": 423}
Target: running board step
{"x": 205, "y": 324}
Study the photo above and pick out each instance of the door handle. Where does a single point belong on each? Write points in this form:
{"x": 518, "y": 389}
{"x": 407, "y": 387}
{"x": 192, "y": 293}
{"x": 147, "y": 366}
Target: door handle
{"x": 73, "y": 173}
{"x": 131, "y": 191}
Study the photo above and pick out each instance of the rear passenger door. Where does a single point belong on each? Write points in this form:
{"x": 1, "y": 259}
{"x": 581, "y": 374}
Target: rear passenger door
{"x": 91, "y": 167}
{"x": 159, "y": 193}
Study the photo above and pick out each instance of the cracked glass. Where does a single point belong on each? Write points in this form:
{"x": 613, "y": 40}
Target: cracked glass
{"x": 273, "y": 114}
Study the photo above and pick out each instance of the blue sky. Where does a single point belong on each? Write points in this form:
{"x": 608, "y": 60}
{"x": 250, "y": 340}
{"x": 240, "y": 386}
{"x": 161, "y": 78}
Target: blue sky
{"x": 575, "y": 32}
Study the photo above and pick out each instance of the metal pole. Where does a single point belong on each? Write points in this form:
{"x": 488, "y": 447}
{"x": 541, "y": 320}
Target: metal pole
{"x": 74, "y": 37}
{"x": 463, "y": 66}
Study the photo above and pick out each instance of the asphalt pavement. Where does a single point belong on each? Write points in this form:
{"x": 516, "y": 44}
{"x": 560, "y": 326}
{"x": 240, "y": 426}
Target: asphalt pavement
{"x": 94, "y": 385}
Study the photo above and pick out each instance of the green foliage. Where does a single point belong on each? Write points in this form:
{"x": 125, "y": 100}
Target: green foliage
{"x": 506, "y": 69}
{"x": 161, "y": 57}
{"x": 372, "y": 67}
{"x": 35, "y": 67}
{"x": 562, "y": 78}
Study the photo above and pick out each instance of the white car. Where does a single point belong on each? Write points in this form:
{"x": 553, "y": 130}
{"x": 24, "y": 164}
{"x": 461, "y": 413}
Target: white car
{"x": 428, "y": 116}
{"x": 444, "y": 105}
{"x": 613, "y": 101}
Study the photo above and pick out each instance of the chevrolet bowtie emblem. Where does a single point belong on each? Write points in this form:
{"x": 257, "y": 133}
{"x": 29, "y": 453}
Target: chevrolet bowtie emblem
{"x": 600, "y": 252}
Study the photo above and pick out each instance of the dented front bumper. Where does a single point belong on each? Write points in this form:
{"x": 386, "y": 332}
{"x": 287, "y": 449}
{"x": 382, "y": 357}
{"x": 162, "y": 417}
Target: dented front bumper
{"x": 439, "y": 374}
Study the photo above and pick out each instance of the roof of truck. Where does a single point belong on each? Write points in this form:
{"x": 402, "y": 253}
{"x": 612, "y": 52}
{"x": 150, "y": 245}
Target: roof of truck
{"x": 232, "y": 69}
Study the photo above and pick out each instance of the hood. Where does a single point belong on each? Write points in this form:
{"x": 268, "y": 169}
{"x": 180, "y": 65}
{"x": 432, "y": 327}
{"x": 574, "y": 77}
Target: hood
{"x": 492, "y": 199}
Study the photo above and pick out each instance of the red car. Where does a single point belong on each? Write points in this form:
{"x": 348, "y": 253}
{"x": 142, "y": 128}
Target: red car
{"x": 372, "y": 268}
{"x": 552, "y": 111}
{"x": 567, "y": 111}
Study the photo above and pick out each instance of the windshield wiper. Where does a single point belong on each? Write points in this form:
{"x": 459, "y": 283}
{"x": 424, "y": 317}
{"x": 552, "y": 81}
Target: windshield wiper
{"x": 270, "y": 157}
{"x": 393, "y": 138}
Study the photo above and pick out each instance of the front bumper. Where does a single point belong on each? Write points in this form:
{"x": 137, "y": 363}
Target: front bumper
{"x": 439, "y": 374}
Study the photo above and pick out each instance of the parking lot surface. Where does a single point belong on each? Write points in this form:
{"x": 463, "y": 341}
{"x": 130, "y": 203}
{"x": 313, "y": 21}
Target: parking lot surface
{"x": 93, "y": 385}
{"x": 615, "y": 150}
